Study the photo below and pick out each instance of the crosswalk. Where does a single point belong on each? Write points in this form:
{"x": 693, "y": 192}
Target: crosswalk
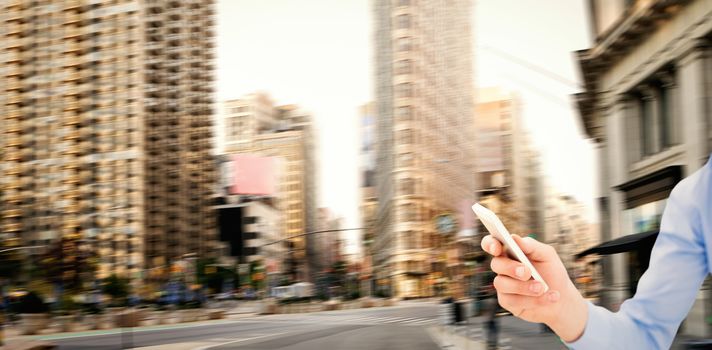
{"x": 358, "y": 320}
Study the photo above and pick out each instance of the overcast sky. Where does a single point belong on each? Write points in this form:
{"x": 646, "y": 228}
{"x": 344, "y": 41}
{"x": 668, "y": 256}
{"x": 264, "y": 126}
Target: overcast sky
{"x": 318, "y": 54}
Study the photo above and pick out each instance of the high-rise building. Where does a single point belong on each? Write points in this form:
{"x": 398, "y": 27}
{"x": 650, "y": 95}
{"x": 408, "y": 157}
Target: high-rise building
{"x": 106, "y": 117}
{"x": 506, "y": 160}
{"x": 255, "y": 126}
{"x": 424, "y": 106}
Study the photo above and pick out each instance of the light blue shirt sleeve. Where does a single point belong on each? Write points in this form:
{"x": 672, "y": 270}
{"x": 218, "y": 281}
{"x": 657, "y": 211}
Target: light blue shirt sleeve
{"x": 667, "y": 290}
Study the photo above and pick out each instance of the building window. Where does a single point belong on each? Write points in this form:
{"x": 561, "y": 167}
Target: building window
{"x": 666, "y": 98}
{"x": 405, "y": 160}
{"x": 406, "y": 187}
{"x": 404, "y": 44}
{"x": 409, "y": 212}
{"x": 655, "y": 114}
{"x": 404, "y": 113}
{"x": 405, "y": 137}
{"x": 647, "y": 123}
{"x": 403, "y": 22}
{"x": 404, "y": 90}
{"x": 404, "y": 67}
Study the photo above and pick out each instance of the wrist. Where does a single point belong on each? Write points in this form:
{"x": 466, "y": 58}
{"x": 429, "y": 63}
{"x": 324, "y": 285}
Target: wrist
{"x": 574, "y": 316}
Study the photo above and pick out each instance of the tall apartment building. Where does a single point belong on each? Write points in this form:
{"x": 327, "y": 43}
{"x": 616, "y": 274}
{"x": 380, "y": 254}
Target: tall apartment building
{"x": 255, "y": 126}
{"x": 106, "y": 119}
{"x": 424, "y": 159}
{"x": 506, "y": 160}
{"x": 646, "y": 104}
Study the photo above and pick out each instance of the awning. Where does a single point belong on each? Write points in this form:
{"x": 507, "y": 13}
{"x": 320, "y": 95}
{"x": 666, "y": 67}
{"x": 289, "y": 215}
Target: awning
{"x": 622, "y": 244}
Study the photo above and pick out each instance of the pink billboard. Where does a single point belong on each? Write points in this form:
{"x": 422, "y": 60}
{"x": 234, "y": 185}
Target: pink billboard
{"x": 253, "y": 175}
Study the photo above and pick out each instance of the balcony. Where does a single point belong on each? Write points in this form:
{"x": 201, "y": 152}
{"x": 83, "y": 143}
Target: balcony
{"x": 13, "y": 70}
{"x": 72, "y": 5}
{"x": 12, "y": 213}
{"x": 12, "y": 197}
{"x": 71, "y": 179}
{"x": 13, "y": 57}
{"x": 13, "y": 98}
{"x": 13, "y": 141}
{"x": 14, "y": 43}
{"x": 71, "y": 105}
{"x": 72, "y": 76}
{"x": 71, "y": 119}
{"x": 13, "y": 84}
{"x": 12, "y": 126}
{"x": 12, "y": 227}
{"x": 71, "y": 18}
{"x": 14, "y": 29}
{"x": 14, "y": 16}
{"x": 72, "y": 47}
{"x": 72, "y": 32}
{"x": 71, "y": 135}
{"x": 13, "y": 3}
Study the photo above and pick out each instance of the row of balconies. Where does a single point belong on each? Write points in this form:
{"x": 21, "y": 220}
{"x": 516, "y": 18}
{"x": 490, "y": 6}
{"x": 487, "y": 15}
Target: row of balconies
{"x": 14, "y": 16}
{"x": 12, "y": 227}
{"x": 71, "y": 18}
{"x": 13, "y": 84}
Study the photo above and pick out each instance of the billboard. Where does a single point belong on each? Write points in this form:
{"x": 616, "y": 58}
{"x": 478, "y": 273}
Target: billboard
{"x": 253, "y": 175}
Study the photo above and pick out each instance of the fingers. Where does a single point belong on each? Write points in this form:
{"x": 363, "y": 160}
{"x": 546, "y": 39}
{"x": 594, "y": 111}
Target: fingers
{"x": 491, "y": 245}
{"x": 502, "y": 265}
{"x": 516, "y": 304}
{"x": 535, "y": 250}
{"x": 508, "y": 285}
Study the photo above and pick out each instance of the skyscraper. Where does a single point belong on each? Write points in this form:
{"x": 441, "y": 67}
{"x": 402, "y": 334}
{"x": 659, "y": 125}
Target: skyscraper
{"x": 424, "y": 160}
{"x": 106, "y": 122}
{"x": 255, "y": 126}
{"x": 507, "y": 161}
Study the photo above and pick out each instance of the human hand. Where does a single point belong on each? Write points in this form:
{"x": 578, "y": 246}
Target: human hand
{"x": 562, "y": 307}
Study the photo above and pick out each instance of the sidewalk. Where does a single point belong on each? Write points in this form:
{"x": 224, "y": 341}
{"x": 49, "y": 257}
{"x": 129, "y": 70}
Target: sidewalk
{"x": 12, "y": 333}
{"x": 514, "y": 334}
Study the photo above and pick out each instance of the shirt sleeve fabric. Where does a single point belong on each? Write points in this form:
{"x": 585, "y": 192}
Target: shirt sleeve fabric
{"x": 666, "y": 291}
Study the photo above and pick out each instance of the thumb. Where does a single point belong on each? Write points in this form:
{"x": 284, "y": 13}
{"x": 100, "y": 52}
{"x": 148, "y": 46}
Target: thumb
{"x": 534, "y": 249}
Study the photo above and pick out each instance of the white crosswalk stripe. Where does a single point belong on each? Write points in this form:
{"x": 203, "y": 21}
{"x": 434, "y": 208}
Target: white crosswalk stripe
{"x": 363, "y": 320}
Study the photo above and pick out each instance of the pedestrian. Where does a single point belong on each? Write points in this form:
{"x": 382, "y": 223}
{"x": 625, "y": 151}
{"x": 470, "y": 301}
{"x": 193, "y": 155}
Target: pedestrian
{"x": 666, "y": 291}
{"x": 492, "y": 322}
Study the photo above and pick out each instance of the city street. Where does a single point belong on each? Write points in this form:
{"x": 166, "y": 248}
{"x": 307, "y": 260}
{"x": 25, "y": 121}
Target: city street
{"x": 400, "y": 327}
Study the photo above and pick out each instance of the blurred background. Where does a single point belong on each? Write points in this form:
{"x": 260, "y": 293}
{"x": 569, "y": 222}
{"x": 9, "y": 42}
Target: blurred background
{"x": 271, "y": 163}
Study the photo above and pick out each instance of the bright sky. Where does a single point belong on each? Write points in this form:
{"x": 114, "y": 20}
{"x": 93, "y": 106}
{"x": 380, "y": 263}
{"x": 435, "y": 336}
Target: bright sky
{"x": 318, "y": 54}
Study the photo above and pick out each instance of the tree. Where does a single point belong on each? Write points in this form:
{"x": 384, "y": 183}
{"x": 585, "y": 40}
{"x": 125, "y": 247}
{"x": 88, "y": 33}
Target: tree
{"x": 213, "y": 276}
{"x": 10, "y": 260}
{"x": 117, "y": 288}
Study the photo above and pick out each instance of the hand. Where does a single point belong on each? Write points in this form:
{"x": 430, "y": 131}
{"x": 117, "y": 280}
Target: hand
{"x": 562, "y": 308}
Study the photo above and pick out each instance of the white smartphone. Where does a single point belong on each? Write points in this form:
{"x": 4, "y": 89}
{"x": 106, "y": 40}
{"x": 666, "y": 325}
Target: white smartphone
{"x": 499, "y": 232}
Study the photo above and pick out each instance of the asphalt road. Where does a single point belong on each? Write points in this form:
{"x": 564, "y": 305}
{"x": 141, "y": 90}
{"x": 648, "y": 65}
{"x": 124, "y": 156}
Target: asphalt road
{"x": 399, "y": 327}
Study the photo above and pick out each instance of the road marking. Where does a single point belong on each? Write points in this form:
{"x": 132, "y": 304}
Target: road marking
{"x": 423, "y": 322}
{"x": 364, "y": 319}
{"x": 238, "y": 341}
{"x": 415, "y": 320}
{"x": 395, "y": 319}
{"x": 116, "y": 331}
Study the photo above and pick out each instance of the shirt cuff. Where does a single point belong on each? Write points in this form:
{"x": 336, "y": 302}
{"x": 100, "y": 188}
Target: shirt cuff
{"x": 596, "y": 335}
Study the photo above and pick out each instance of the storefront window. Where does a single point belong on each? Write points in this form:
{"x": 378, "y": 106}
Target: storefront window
{"x": 643, "y": 218}
{"x": 640, "y": 219}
